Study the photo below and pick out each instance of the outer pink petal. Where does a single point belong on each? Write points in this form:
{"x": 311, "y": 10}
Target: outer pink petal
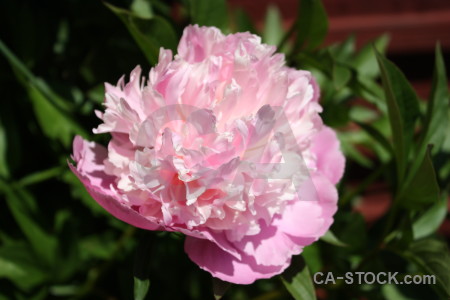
{"x": 328, "y": 199}
{"x": 316, "y": 211}
{"x": 271, "y": 247}
{"x": 225, "y": 266}
{"x": 330, "y": 160}
{"x": 90, "y": 170}
{"x": 217, "y": 238}
{"x": 289, "y": 233}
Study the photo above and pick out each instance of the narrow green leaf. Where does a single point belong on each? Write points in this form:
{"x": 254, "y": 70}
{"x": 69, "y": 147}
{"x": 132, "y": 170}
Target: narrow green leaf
{"x": 65, "y": 230}
{"x": 22, "y": 205}
{"x": 403, "y": 110}
{"x": 29, "y": 79}
{"x": 52, "y": 112}
{"x": 330, "y": 238}
{"x": 209, "y": 13}
{"x": 351, "y": 152}
{"x": 297, "y": 280}
{"x": 53, "y": 123}
{"x": 273, "y": 27}
{"x": 149, "y": 33}
{"x": 430, "y": 221}
{"x": 40, "y": 176}
{"x": 436, "y": 123}
{"x": 219, "y": 288}
{"x": 423, "y": 189}
{"x": 433, "y": 258}
{"x": 312, "y": 24}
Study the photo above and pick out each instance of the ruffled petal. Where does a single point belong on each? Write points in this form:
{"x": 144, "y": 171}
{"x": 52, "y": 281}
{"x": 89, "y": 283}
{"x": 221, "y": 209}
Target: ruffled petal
{"x": 89, "y": 157}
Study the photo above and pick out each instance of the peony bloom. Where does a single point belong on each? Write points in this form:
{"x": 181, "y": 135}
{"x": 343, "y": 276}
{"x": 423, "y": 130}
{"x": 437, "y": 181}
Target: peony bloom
{"x": 223, "y": 143}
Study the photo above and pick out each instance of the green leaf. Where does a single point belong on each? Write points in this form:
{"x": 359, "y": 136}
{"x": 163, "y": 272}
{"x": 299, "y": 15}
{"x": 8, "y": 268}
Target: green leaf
{"x": 273, "y": 27}
{"x": 69, "y": 254}
{"x": 354, "y": 232}
{"x": 423, "y": 189}
{"x": 430, "y": 221}
{"x": 98, "y": 246}
{"x": 341, "y": 76}
{"x": 436, "y": 123}
{"x": 403, "y": 110}
{"x": 219, "y": 288}
{"x": 312, "y": 257}
{"x": 433, "y": 258}
{"x": 22, "y": 206}
{"x": 365, "y": 62}
{"x": 53, "y": 123}
{"x": 243, "y": 22}
{"x": 28, "y": 79}
{"x": 350, "y": 151}
{"x": 297, "y": 280}
{"x": 376, "y": 136}
{"x": 391, "y": 292}
{"x": 370, "y": 91}
{"x": 142, "y": 8}
{"x": 19, "y": 265}
{"x": 209, "y": 13}
{"x": 363, "y": 114}
{"x": 149, "y": 33}
{"x": 53, "y": 112}
{"x": 312, "y": 24}
{"x": 64, "y": 290}
{"x": 330, "y": 238}
{"x": 343, "y": 52}
{"x": 402, "y": 236}
{"x": 40, "y": 176}
{"x": 140, "y": 288}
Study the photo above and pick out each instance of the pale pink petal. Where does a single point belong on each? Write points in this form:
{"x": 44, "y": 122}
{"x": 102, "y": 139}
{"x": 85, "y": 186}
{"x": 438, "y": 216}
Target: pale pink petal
{"x": 330, "y": 160}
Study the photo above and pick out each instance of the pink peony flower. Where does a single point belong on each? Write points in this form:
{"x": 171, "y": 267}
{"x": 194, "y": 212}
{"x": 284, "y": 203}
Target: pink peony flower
{"x": 223, "y": 143}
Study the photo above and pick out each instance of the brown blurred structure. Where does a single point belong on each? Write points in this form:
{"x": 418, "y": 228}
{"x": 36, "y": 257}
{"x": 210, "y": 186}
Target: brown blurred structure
{"x": 414, "y": 26}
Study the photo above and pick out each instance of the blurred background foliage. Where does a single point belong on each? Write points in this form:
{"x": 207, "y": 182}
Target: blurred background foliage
{"x": 57, "y": 243}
